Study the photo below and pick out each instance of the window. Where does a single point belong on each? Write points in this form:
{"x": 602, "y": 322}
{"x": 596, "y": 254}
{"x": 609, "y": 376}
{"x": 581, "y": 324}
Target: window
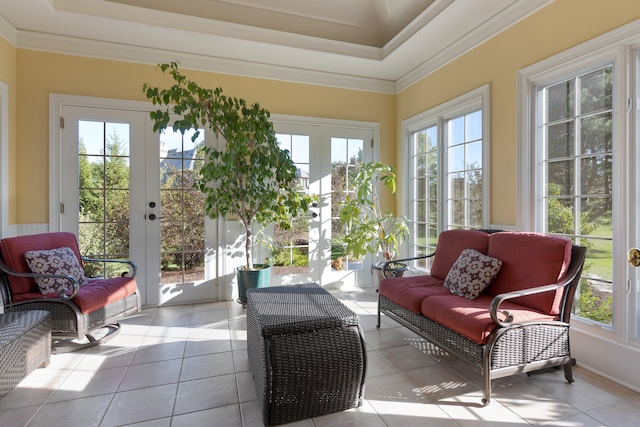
{"x": 448, "y": 149}
{"x": 576, "y": 145}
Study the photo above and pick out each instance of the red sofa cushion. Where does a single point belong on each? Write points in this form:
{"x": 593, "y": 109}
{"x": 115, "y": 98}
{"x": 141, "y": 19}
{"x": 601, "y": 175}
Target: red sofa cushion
{"x": 451, "y": 243}
{"x": 471, "y": 318}
{"x": 409, "y": 291}
{"x": 529, "y": 260}
{"x": 13, "y": 249}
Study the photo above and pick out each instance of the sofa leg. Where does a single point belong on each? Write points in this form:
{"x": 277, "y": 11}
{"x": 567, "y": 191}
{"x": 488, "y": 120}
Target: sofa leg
{"x": 568, "y": 370}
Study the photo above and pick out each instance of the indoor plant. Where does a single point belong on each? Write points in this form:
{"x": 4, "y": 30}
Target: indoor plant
{"x": 367, "y": 227}
{"x": 251, "y": 178}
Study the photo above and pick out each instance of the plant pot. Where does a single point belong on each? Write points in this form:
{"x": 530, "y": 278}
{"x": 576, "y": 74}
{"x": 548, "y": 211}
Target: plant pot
{"x": 249, "y": 279}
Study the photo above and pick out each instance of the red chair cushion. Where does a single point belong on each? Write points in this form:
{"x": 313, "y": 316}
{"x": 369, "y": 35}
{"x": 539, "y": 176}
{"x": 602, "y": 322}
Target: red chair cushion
{"x": 13, "y": 249}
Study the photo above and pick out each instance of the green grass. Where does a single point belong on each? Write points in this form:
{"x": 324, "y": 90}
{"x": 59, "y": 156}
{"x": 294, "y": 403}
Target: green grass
{"x": 599, "y": 253}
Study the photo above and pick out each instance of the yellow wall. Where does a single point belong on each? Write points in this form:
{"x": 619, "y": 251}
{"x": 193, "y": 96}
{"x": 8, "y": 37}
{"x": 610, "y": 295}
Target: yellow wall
{"x": 8, "y": 76}
{"x": 556, "y": 28}
{"x": 559, "y": 26}
{"x": 72, "y": 75}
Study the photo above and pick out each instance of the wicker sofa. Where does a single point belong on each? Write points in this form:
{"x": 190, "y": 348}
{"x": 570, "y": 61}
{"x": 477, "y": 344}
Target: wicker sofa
{"x": 518, "y": 323}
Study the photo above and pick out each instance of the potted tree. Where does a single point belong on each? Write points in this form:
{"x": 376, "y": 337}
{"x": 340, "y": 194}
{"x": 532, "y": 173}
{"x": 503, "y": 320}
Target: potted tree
{"x": 367, "y": 227}
{"x": 251, "y": 178}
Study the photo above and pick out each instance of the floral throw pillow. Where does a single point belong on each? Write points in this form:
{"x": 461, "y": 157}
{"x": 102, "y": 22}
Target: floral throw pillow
{"x": 471, "y": 273}
{"x": 55, "y": 261}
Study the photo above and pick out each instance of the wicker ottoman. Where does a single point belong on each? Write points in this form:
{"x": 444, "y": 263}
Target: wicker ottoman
{"x": 306, "y": 351}
{"x": 25, "y": 344}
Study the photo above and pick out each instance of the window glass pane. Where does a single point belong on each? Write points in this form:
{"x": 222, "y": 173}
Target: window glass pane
{"x": 596, "y": 134}
{"x": 560, "y": 178}
{"x": 595, "y": 91}
{"x": 474, "y": 126}
{"x": 474, "y": 184}
{"x": 560, "y": 216}
{"x": 474, "y": 155}
{"x": 456, "y": 131}
{"x": 456, "y": 185}
{"x": 560, "y": 101}
{"x": 595, "y": 175}
{"x": 456, "y": 158}
{"x": 432, "y": 138}
{"x": 595, "y": 218}
{"x": 560, "y": 140}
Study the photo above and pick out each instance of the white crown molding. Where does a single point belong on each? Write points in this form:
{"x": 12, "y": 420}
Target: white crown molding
{"x": 8, "y": 32}
{"x": 515, "y": 13}
{"x": 144, "y": 55}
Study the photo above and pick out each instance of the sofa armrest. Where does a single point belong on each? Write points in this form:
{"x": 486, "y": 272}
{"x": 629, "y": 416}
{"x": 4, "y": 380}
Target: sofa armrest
{"x": 498, "y": 299}
{"x": 386, "y": 263}
{"x": 62, "y": 293}
{"x": 133, "y": 266}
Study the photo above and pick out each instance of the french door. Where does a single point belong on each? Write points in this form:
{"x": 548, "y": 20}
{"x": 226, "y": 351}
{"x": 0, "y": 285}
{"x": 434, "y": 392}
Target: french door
{"x": 309, "y": 251}
{"x": 127, "y": 193}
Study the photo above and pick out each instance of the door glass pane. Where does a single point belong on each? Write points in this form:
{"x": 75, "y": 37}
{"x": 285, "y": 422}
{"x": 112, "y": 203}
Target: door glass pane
{"x": 290, "y": 253}
{"x": 181, "y": 213}
{"x": 346, "y": 157}
{"x": 103, "y": 180}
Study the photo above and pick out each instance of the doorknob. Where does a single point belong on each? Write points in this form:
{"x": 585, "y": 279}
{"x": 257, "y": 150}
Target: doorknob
{"x": 634, "y": 257}
{"x": 153, "y": 217}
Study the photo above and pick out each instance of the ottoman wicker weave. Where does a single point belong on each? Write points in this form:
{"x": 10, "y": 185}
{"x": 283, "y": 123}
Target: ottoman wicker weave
{"x": 306, "y": 351}
{"x": 25, "y": 344}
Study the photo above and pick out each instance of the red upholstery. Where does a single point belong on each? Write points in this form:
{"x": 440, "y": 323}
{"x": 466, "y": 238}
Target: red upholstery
{"x": 530, "y": 260}
{"x": 95, "y": 295}
{"x": 451, "y": 243}
{"x": 410, "y": 291}
{"x": 13, "y": 249}
{"x": 471, "y": 318}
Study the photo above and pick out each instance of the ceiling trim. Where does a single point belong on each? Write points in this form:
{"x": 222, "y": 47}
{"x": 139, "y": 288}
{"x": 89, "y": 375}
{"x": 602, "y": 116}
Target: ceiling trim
{"x": 8, "y": 32}
{"x": 145, "y": 55}
{"x": 509, "y": 17}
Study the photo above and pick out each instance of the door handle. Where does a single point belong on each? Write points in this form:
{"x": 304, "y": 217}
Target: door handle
{"x": 633, "y": 256}
{"x": 153, "y": 217}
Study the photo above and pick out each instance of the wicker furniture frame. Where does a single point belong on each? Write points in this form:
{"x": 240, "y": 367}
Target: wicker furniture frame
{"x": 306, "y": 350}
{"x": 25, "y": 344}
{"x": 72, "y": 329}
{"x": 511, "y": 348}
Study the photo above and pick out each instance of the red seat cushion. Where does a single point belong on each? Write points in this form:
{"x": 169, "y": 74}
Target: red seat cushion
{"x": 96, "y": 294}
{"x": 471, "y": 318}
{"x": 410, "y": 291}
{"x": 101, "y": 292}
{"x": 13, "y": 249}
{"x": 451, "y": 243}
{"x": 530, "y": 260}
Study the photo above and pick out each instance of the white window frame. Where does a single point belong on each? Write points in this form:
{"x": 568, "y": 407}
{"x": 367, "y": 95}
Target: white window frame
{"x": 594, "y": 344}
{"x": 476, "y": 99}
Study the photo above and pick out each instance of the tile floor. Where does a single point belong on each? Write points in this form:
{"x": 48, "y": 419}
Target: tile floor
{"x": 188, "y": 366}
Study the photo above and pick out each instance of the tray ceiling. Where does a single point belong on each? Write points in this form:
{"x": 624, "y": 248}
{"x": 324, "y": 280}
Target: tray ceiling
{"x": 378, "y": 45}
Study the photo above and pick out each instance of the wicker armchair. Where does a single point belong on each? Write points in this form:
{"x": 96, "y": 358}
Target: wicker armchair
{"x": 79, "y": 314}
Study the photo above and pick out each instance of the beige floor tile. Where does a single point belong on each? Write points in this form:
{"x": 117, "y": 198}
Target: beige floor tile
{"x": 135, "y": 406}
{"x": 406, "y": 357}
{"x": 624, "y": 413}
{"x": 151, "y": 374}
{"x": 86, "y": 412}
{"x": 81, "y": 384}
{"x": 154, "y": 349}
{"x": 206, "y": 393}
{"x": 378, "y": 365}
{"x": 225, "y": 416}
{"x": 208, "y": 365}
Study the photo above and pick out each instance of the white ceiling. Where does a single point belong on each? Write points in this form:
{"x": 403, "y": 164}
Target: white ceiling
{"x": 376, "y": 45}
